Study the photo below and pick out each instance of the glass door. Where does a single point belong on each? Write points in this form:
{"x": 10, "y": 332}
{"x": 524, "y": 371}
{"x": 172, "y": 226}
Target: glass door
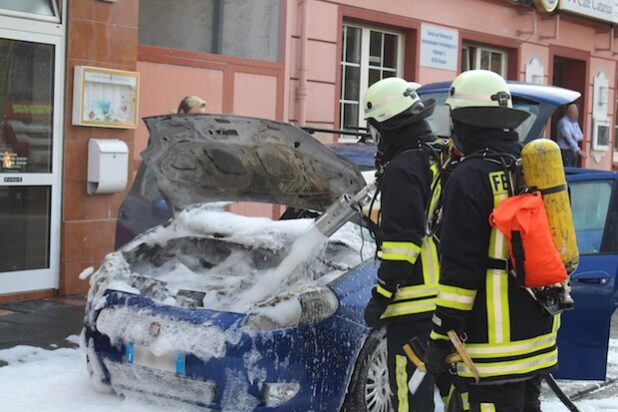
{"x": 31, "y": 74}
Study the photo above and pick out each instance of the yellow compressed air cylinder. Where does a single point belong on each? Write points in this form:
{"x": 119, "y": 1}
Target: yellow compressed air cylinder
{"x": 542, "y": 168}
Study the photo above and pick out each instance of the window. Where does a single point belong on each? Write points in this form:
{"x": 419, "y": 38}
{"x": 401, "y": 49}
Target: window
{"x": 590, "y": 203}
{"x": 35, "y": 9}
{"x": 475, "y": 57}
{"x": 239, "y": 28}
{"x": 368, "y": 55}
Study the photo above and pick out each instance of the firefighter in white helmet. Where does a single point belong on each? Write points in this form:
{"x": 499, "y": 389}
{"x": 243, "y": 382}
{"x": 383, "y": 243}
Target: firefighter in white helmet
{"x": 510, "y": 339}
{"x": 405, "y": 293}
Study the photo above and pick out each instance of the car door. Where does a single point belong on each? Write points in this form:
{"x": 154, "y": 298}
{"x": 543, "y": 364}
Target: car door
{"x": 584, "y": 336}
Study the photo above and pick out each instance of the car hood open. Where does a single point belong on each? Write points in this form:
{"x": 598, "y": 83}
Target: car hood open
{"x": 205, "y": 157}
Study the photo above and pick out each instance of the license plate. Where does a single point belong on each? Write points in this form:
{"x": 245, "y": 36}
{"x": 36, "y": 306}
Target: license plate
{"x": 141, "y": 355}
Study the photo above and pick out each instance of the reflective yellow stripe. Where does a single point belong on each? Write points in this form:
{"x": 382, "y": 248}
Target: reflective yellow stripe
{"x": 512, "y": 367}
{"x": 418, "y": 291}
{"x": 437, "y": 336}
{"x": 455, "y": 298}
{"x": 497, "y": 282}
{"x": 465, "y": 400}
{"x": 384, "y": 292}
{"x": 516, "y": 348}
{"x": 401, "y": 377}
{"x": 556, "y": 324}
{"x": 488, "y": 407}
{"x": 409, "y": 308}
{"x": 400, "y": 251}
{"x": 429, "y": 258}
{"x": 435, "y": 196}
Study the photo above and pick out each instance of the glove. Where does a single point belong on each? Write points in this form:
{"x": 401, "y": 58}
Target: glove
{"x": 374, "y": 310}
{"x": 436, "y": 353}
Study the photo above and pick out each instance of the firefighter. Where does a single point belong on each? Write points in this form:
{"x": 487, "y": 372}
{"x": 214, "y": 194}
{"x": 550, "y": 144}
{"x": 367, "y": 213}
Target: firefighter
{"x": 404, "y": 297}
{"x": 511, "y": 341}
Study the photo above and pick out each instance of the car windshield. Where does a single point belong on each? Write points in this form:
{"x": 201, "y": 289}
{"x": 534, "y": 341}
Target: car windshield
{"x": 590, "y": 204}
{"x": 531, "y": 129}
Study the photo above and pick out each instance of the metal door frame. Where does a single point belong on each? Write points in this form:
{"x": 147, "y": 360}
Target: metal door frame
{"x": 41, "y": 279}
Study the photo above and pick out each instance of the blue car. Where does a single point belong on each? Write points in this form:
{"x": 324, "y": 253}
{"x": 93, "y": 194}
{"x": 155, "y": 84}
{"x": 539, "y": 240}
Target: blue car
{"x": 330, "y": 360}
{"x": 155, "y": 325}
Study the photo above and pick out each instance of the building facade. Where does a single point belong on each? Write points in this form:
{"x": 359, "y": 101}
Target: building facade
{"x": 302, "y": 61}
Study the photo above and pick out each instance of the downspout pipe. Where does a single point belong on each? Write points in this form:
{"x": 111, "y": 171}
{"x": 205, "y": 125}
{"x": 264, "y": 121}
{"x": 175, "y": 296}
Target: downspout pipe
{"x": 301, "y": 90}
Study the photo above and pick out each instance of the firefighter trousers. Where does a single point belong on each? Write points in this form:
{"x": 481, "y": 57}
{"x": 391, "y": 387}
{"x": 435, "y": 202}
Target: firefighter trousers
{"x": 400, "y": 369}
{"x": 508, "y": 397}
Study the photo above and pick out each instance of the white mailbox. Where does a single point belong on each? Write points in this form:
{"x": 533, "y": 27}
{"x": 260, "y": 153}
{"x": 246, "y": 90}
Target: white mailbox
{"x": 108, "y": 166}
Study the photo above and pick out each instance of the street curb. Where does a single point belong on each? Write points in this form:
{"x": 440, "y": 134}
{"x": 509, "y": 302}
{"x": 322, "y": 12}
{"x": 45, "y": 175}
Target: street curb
{"x": 592, "y": 388}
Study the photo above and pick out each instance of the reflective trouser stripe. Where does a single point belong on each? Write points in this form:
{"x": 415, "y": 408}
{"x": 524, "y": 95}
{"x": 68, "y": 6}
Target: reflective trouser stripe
{"x": 455, "y": 298}
{"x": 399, "y": 251}
{"x": 429, "y": 259}
{"x": 412, "y": 292}
{"x": 401, "y": 376}
{"x": 488, "y": 407}
{"x": 465, "y": 401}
{"x": 409, "y": 308}
{"x": 512, "y": 367}
{"x": 498, "y": 325}
{"x": 516, "y": 348}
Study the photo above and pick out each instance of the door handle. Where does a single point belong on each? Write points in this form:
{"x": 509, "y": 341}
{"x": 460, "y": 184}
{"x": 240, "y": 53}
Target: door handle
{"x": 601, "y": 280}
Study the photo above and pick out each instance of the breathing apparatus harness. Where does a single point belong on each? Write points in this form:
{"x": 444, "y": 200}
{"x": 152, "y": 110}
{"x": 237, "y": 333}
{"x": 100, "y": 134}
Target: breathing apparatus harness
{"x": 553, "y": 298}
{"x": 437, "y": 151}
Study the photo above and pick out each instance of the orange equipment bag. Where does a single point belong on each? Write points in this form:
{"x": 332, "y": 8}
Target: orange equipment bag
{"x": 523, "y": 221}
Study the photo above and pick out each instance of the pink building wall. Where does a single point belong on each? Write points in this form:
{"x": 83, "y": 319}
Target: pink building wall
{"x": 271, "y": 90}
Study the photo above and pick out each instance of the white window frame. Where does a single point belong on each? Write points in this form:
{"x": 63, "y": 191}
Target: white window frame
{"x": 364, "y": 68}
{"x": 46, "y": 278}
{"x": 477, "y": 58}
{"x": 33, "y": 16}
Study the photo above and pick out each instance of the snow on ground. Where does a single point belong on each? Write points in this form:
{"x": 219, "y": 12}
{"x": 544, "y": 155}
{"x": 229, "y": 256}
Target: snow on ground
{"x": 57, "y": 381}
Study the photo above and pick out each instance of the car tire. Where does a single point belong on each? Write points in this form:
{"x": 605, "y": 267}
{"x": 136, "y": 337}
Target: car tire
{"x": 369, "y": 389}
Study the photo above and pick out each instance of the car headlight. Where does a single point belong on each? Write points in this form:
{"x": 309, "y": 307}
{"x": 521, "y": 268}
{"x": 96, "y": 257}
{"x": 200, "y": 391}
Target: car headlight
{"x": 291, "y": 310}
{"x": 278, "y": 393}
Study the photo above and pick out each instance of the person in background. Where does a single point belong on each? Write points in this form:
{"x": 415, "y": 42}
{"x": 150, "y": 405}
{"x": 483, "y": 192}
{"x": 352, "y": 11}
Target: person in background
{"x": 569, "y": 136}
{"x": 191, "y": 105}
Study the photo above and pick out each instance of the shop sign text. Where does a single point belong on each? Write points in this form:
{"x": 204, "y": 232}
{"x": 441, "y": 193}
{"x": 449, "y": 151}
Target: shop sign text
{"x": 606, "y": 10}
{"x": 439, "y": 47}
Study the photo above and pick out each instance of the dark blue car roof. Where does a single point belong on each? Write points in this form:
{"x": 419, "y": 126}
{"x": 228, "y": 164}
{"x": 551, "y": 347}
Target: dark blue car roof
{"x": 538, "y": 93}
{"x": 362, "y": 154}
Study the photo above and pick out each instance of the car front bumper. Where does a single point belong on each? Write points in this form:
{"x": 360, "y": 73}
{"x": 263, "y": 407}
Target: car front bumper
{"x": 297, "y": 369}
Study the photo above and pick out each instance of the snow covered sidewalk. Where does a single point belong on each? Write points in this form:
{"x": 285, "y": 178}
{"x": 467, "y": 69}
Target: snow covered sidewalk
{"x": 57, "y": 381}
{"x": 43, "y": 380}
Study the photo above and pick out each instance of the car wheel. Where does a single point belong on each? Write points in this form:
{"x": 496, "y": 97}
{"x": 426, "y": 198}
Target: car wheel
{"x": 369, "y": 389}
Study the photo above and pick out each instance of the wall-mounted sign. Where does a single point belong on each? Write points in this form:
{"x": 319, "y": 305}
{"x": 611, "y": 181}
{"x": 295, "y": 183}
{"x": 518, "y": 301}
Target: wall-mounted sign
{"x": 535, "y": 72}
{"x": 105, "y": 97}
{"x": 600, "y": 120}
{"x": 546, "y": 6}
{"x": 605, "y": 10}
{"x": 439, "y": 47}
